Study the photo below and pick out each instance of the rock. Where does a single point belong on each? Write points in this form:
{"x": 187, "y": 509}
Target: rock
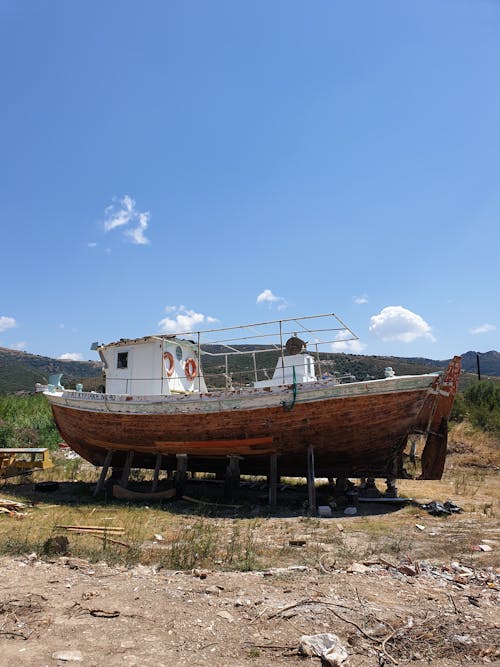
{"x": 357, "y": 568}
{"x": 326, "y": 646}
{"x": 325, "y": 511}
{"x": 226, "y": 615}
{"x": 350, "y": 510}
{"x": 68, "y": 656}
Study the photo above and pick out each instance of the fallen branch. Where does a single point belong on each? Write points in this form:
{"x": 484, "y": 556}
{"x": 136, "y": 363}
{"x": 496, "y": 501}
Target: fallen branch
{"x": 206, "y": 502}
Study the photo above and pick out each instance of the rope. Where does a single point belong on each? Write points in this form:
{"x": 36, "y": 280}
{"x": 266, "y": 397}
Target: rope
{"x": 292, "y": 404}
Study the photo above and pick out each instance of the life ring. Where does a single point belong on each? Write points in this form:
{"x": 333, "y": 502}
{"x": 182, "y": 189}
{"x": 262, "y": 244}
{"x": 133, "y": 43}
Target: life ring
{"x": 169, "y": 371}
{"x": 191, "y": 369}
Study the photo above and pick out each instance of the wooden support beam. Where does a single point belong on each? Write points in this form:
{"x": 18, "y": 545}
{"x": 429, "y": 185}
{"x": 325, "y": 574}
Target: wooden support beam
{"x": 126, "y": 469}
{"x": 180, "y": 474}
{"x": 156, "y": 473}
{"x": 311, "y": 481}
{"x": 392, "y": 489}
{"x": 273, "y": 479}
{"x": 340, "y": 487}
{"x": 104, "y": 471}
{"x": 232, "y": 480}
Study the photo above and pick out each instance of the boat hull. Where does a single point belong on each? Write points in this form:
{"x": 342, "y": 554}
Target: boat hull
{"x": 357, "y": 430}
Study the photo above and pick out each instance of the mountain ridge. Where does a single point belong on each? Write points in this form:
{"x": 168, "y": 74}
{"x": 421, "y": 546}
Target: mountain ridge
{"x": 19, "y": 371}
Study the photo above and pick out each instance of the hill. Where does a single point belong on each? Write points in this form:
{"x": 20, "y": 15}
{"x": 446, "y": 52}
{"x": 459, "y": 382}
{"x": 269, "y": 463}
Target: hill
{"x": 19, "y": 371}
{"x": 489, "y": 362}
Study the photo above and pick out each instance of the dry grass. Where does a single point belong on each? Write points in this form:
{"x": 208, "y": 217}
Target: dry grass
{"x": 253, "y": 537}
{"x": 469, "y": 446}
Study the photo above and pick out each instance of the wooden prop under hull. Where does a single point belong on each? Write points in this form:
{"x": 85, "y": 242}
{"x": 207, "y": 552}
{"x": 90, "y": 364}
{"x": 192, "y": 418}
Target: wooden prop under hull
{"x": 127, "y": 494}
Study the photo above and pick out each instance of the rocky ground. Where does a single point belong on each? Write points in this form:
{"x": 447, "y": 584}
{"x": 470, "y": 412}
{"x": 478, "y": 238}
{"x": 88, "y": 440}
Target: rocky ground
{"x": 68, "y": 611}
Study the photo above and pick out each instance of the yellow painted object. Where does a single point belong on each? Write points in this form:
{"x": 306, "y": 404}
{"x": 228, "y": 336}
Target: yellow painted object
{"x": 22, "y": 461}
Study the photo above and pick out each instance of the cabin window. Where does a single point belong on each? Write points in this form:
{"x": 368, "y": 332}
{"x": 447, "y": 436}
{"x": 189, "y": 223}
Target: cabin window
{"x": 178, "y": 352}
{"x": 122, "y": 360}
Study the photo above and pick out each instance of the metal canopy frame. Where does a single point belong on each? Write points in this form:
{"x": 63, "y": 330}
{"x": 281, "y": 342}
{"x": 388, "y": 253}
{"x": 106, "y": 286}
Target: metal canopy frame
{"x": 340, "y": 333}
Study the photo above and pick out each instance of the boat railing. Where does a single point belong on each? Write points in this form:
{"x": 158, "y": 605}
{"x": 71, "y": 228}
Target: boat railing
{"x": 234, "y": 357}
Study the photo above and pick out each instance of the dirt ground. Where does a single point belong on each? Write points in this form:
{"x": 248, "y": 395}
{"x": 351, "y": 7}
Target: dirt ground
{"x": 395, "y": 584}
{"x": 69, "y": 611}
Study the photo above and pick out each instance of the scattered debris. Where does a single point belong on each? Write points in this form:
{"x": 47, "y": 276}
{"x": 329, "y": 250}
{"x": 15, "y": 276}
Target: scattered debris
{"x": 484, "y": 547}
{"x": 419, "y": 526}
{"x": 326, "y": 646}
{"x": 226, "y": 615}
{"x": 205, "y": 502}
{"x": 68, "y": 656}
{"x": 357, "y": 568}
{"x": 12, "y": 507}
{"x": 297, "y": 543}
{"x": 78, "y": 610}
{"x": 440, "y": 509}
{"x": 325, "y": 511}
{"x": 98, "y": 530}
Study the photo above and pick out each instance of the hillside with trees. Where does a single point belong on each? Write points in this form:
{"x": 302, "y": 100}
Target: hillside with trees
{"x": 19, "y": 371}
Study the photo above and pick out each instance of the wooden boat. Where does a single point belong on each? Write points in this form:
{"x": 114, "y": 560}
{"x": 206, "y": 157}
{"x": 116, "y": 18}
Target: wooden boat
{"x": 159, "y": 405}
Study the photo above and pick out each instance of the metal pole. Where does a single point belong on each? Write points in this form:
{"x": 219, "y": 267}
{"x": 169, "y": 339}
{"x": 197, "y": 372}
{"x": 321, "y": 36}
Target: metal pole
{"x": 318, "y": 360}
{"x": 478, "y": 367}
{"x": 282, "y": 354}
{"x": 311, "y": 479}
{"x": 199, "y": 363}
{"x": 273, "y": 479}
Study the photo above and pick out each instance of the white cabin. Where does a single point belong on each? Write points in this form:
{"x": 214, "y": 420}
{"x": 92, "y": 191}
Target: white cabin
{"x": 152, "y": 366}
{"x": 302, "y": 364}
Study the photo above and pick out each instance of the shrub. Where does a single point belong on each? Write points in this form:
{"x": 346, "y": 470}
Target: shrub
{"x": 26, "y": 421}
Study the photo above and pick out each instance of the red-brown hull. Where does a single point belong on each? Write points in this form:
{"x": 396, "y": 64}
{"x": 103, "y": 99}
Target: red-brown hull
{"x": 354, "y": 436}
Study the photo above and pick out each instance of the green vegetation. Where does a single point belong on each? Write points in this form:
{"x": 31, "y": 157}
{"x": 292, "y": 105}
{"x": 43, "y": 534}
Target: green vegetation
{"x": 26, "y": 421}
{"x": 480, "y": 404}
{"x": 19, "y": 371}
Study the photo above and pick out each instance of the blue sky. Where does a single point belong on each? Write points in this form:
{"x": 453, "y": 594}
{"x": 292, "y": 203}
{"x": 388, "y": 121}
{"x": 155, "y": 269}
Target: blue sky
{"x": 227, "y": 162}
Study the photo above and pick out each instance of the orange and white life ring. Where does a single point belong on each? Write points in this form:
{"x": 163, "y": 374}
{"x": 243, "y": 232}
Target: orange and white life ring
{"x": 167, "y": 356}
{"x": 191, "y": 369}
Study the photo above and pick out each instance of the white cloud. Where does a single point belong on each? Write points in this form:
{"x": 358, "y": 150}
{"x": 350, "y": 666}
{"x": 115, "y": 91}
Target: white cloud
{"x": 137, "y": 233}
{"x": 268, "y": 297}
{"x": 395, "y": 323}
{"x": 22, "y": 345}
{"x": 183, "y": 320}
{"x": 123, "y": 213}
{"x": 91, "y": 244}
{"x": 484, "y": 328}
{"x": 7, "y": 323}
{"x": 71, "y": 356}
{"x": 363, "y": 298}
{"x": 341, "y": 345}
